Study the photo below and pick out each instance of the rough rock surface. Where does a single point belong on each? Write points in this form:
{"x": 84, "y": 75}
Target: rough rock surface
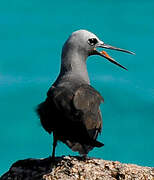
{"x": 76, "y": 168}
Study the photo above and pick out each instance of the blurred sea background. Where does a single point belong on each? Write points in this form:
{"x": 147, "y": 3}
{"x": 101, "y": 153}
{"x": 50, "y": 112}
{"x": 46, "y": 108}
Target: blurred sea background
{"x": 32, "y": 33}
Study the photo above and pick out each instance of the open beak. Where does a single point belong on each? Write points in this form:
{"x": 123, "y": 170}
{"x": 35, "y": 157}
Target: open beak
{"x": 105, "y": 55}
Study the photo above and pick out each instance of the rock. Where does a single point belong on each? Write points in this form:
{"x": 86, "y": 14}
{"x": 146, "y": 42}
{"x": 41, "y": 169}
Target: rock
{"x": 76, "y": 168}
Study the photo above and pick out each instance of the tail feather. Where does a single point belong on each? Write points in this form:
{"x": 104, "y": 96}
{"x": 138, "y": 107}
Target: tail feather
{"x": 97, "y": 144}
{"x": 83, "y": 148}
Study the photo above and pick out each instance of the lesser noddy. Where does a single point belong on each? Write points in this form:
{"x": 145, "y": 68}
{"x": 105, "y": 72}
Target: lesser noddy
{"x": 71, "y": 110}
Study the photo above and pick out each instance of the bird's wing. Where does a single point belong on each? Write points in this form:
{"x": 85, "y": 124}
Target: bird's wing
{"x": 72, "y": 110}
{"x": 87, "y": 100}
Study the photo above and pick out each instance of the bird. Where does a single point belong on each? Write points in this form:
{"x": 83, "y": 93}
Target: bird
{"x": 71, "y": 110}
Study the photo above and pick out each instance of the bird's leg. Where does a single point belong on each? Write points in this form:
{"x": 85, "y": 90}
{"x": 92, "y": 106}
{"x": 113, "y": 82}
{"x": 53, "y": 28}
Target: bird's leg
{"x": 54, "y": 146}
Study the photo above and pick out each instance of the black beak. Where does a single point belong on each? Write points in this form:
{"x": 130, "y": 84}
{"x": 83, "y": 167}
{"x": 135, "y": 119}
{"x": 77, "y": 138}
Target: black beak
{"x": 105, "y": 55}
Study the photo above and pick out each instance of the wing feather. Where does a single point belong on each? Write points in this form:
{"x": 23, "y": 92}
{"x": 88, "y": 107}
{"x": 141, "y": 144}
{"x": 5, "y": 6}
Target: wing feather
{"x": 73, "y": 113}
{"x": 88, "y": 100}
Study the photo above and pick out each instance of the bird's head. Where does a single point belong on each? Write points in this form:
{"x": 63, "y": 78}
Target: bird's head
{"x": 86, "y": 43}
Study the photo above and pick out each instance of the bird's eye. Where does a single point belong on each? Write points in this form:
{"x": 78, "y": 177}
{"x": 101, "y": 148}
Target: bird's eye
{"x": 92, "y": 41}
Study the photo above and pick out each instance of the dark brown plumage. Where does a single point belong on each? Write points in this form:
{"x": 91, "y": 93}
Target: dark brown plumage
{"x": 73, "y": 115}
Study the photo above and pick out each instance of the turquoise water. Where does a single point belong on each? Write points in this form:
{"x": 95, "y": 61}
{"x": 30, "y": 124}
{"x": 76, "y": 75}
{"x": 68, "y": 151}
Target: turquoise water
{"x": 32, "y": 33}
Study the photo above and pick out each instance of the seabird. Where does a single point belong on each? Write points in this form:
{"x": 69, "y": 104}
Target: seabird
{"x": 71, "y": 110}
